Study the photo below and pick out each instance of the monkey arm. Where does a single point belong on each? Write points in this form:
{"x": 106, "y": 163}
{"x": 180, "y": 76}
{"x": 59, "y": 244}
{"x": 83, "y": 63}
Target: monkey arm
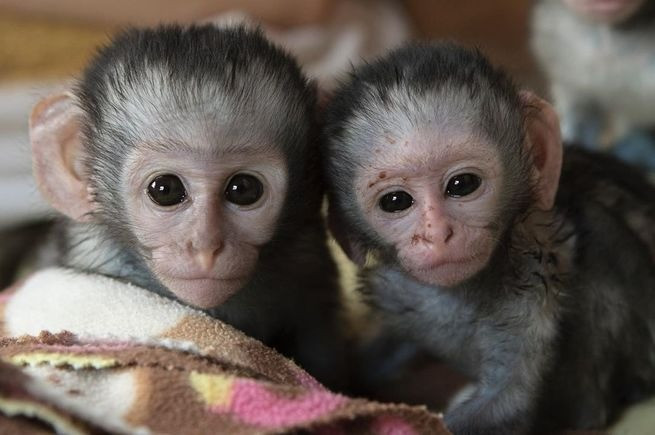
{"x": 515, "y": 354}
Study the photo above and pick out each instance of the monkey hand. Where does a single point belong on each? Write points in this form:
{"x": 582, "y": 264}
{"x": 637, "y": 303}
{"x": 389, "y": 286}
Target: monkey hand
{"x": 488, "y": 414}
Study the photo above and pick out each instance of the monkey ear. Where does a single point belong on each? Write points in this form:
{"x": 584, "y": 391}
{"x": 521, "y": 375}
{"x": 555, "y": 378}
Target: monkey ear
{"x": 352, "y": 248}
{"x": 545, "y": 142}
{"x": 55, "y": 136}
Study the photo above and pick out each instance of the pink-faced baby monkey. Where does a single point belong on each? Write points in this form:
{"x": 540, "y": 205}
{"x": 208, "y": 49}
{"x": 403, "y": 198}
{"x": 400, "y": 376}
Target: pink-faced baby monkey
{"x": 444, "y": 182}
{"x": 186, "y": 160}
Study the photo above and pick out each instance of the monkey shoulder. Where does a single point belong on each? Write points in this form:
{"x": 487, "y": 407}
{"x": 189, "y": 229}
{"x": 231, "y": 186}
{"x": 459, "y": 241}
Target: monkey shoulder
{"x": 609, "y": 292}
{"x": 612, "y": 205}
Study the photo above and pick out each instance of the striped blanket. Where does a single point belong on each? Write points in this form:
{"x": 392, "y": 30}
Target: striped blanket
{"x": 87, "y": 354}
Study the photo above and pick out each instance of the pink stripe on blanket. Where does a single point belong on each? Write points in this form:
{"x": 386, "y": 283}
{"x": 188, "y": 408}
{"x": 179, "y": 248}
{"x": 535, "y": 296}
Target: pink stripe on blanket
{"x": 252, "y": 403}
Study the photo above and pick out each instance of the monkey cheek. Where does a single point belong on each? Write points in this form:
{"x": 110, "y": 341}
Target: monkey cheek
{"x": 204, "y": 293}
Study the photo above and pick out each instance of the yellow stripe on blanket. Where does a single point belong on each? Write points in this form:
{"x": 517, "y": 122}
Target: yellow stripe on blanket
{"x": 63, "y": 359}
{"x": 214, "y": 389}
{"x": 12, "y": 407}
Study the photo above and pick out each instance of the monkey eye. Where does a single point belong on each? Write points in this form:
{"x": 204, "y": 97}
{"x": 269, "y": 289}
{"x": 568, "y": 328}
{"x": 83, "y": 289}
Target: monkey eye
{"x": 244, "y": 189}
{"x": 462, "y": 185}
{"x": 167, "y": 190}
{"x": 395, "y": 202}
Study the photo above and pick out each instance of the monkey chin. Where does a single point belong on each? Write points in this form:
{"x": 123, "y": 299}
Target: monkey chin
{"x": 203, "y": 293}
{"x": 446, "y": 274}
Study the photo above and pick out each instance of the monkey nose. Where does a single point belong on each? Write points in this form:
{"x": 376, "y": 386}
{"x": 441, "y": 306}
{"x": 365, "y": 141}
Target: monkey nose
{"x": 438, "y": 230}
{"x": 206, "y": 258}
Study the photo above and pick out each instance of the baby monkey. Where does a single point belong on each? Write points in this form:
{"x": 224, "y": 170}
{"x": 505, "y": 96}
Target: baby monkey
{"x": 186, "y": 160}
{"x": 444, "y": 183}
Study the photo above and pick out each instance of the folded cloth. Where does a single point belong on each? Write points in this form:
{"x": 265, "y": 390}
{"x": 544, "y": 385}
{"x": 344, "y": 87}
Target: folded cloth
{"x": 88, "y": 354}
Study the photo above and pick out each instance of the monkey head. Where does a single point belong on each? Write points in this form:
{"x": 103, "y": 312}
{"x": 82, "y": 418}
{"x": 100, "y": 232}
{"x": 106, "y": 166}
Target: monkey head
{"x": 428, "y": 162}
{"x": 186, "y": 144}
{"x": 605, "y": 11}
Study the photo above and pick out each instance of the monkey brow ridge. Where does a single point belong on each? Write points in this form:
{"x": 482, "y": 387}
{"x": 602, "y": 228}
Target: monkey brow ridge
{"x": 216, "y": 150}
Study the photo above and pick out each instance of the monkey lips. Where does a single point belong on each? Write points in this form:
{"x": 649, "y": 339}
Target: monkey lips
{"x": 446, "y": 272}
{"x": 204, "y": 281}
{"x": 203, "y": 292}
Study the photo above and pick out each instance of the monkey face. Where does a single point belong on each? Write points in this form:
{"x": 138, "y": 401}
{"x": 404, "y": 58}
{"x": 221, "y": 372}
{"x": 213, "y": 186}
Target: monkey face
{"x": 202, "y": 217}
{"x": 433, "y": 199}
{"x": 605, "y": 11}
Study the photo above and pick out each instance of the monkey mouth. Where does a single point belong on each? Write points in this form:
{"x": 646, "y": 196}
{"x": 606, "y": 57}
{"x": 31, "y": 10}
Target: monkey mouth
{"x": 203, "y": 291}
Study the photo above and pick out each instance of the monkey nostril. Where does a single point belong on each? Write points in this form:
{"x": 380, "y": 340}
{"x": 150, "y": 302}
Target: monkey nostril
{"x": 449, "y": 235}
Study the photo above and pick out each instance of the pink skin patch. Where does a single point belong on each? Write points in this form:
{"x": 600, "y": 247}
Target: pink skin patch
{"x": 392, "y": 425}
{"x": 254, "y": 404}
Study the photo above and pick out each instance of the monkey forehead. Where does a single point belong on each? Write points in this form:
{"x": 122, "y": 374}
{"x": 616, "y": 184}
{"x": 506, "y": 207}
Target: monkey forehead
{"x": 431, "y": 120}
{"x": 430, "y": 152}
{"x": 203, "y": 163}
{"x": 158, "y": 100}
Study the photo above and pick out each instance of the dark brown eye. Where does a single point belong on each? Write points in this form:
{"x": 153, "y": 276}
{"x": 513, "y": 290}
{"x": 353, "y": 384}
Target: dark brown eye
{"x": 244, "y": 189}
{"x": 395, "y": 202}
{"x": 167, "y": 190}
{"x": 462, "y": 185}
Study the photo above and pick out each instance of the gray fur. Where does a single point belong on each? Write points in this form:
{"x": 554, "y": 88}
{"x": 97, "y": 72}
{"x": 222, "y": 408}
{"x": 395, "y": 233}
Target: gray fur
{"x": 558, "y": 330}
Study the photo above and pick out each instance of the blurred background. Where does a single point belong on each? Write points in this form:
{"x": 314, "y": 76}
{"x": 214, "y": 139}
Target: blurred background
{"x": 44, "y": 44}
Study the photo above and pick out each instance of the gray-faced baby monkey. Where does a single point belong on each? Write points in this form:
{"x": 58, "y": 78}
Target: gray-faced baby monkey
{"x": 598, "y": 56}
{"x": 444, "y": 180}
{"x": 186, "y": 160}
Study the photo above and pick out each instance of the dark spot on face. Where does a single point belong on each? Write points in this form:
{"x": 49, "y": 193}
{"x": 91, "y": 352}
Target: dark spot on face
{"x": 429, "y": 225}
{"x": 382, "y": 174}
{"x": 415, "y": 239}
